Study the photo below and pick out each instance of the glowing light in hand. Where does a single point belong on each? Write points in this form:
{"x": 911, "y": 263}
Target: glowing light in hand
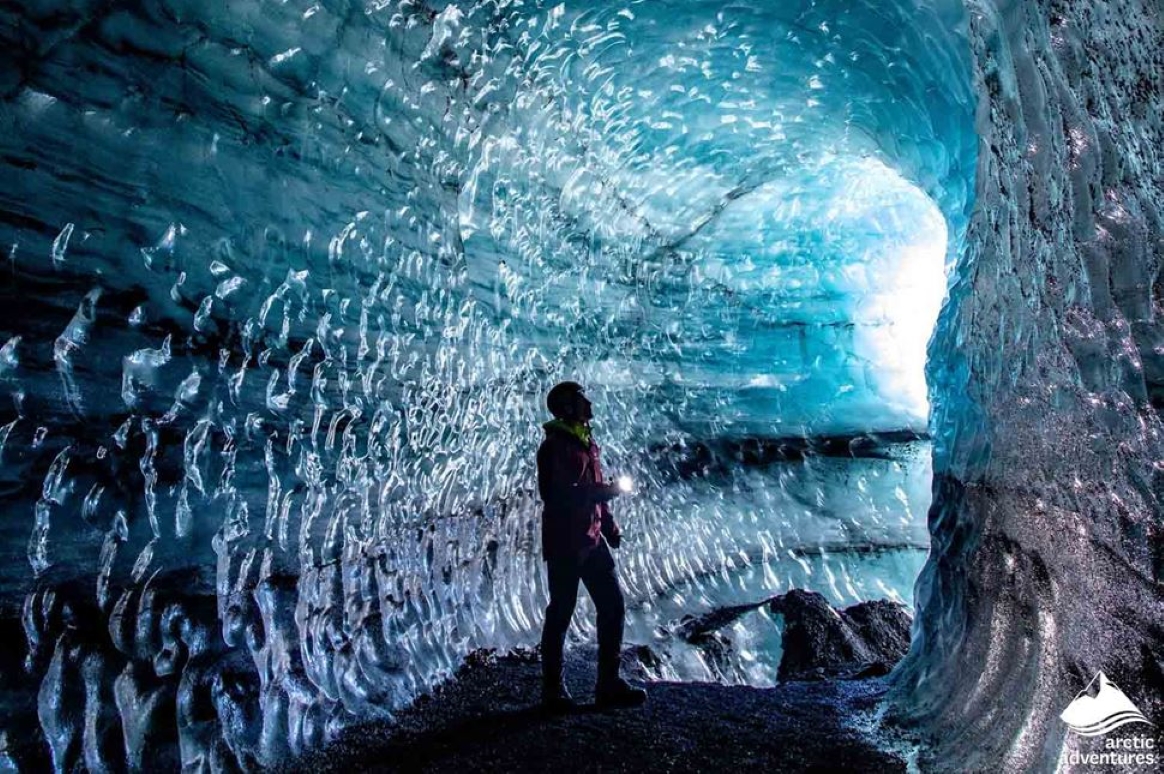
{"x": 625, "y": 484}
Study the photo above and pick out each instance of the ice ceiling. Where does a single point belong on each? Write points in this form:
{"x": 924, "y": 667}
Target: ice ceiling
{"x": 287, "y": 283}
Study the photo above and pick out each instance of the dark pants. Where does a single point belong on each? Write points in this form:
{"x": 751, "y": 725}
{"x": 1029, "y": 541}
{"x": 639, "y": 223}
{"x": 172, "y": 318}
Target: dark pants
{"x": 596, "y": 571}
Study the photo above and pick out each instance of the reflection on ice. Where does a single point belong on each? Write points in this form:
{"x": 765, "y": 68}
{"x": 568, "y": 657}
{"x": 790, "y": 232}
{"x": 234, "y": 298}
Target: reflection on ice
{"x": 292, "y": 281}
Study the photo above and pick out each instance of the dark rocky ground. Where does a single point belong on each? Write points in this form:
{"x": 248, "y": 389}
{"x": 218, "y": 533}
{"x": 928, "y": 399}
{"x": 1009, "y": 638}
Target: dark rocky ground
{"x": 487, "y": 719}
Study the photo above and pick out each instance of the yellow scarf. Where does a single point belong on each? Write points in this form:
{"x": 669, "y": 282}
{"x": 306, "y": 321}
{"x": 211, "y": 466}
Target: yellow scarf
{"x": 576, "y": 429}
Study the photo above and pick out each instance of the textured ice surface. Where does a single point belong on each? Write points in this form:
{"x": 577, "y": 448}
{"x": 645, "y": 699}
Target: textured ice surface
{"x": 1047, "y": 551}
{"x": 286, "y": 283}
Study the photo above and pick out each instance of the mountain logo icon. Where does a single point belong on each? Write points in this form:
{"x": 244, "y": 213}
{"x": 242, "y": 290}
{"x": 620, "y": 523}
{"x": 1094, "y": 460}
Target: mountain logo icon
{"x": 1107, "y": 710}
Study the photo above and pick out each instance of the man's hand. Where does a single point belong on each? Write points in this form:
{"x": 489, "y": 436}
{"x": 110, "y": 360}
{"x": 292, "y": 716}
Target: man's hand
{"x": 612, "y": 533}
{"x": 604, "y": 492}
{"x": 593, "y": 494}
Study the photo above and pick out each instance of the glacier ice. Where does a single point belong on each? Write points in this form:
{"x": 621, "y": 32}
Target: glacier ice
{"x": 1046, "y": 557}
{"x": 286, "y": 283}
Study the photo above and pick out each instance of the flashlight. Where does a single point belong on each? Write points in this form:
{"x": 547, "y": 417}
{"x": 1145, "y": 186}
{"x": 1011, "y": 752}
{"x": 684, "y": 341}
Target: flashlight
{"x": 625, "y": 484}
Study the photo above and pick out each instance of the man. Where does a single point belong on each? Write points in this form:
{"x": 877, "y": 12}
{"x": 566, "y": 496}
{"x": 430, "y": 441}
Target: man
{"x": 577, "y": 534}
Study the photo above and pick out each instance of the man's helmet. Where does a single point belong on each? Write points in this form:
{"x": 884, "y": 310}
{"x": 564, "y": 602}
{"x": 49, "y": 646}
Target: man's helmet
{"x": 561, "y": 398}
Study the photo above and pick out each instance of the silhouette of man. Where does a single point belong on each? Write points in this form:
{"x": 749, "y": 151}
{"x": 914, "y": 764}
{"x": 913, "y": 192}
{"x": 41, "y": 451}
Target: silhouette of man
{"x": 577, "y": 534}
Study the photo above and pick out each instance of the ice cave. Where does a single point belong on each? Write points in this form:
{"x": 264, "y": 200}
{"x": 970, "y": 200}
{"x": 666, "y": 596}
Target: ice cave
{"x": 868, "y": 296}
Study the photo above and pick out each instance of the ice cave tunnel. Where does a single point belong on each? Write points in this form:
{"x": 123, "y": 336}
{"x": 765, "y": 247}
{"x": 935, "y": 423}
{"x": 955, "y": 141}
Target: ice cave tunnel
{"x": 867, "y": 294}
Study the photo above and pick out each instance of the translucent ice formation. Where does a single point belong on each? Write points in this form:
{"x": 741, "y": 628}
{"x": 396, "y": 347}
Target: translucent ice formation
{"x": 307, "y": 270}
{"x": 287, "y": 282}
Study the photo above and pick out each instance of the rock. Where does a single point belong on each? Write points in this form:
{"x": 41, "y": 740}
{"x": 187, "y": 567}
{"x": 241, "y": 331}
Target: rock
{"x": 714, "y": 646}
{"x": 864, "y": 640}
{"x": 693, "y": 628}
{"x": 718, "y": 655}
{"x": 642, "y": 662}
{"x": 883, "y": 625}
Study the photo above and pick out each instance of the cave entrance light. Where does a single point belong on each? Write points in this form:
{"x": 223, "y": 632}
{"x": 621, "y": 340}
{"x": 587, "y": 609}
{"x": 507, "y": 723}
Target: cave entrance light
{"x": 834, "y": 278}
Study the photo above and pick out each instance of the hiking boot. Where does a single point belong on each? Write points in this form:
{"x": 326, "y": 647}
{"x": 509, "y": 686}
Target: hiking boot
{"x": 618, "y": 693}
{"x": 556, "y": 699}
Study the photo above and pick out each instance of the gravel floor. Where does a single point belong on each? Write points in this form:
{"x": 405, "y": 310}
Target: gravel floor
{"x": 487, "y": 719}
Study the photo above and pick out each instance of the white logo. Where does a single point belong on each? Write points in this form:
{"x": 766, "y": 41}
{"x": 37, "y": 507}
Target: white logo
{"x": 1102, "y": 713}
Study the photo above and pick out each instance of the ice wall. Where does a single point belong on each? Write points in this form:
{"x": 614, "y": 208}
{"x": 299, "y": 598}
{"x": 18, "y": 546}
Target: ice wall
{"x": 1047, "y": 557}
{"x": 286, "y": 283}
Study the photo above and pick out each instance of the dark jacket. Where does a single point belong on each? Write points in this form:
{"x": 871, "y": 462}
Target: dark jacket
{"x": 573, "y": 493}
